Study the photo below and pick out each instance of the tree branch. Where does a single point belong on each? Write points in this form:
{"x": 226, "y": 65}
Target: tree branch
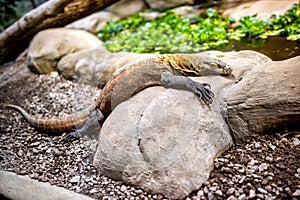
{"x": 54, "y": 13}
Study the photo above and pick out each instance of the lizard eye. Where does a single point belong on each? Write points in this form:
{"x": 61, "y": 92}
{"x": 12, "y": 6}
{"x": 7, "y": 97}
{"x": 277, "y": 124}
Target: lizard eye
{"x": 214, "y": 64}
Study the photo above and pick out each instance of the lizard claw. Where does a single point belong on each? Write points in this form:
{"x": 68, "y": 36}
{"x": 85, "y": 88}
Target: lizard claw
{"x": 71, "y": 136}
{"x": 202, "y": 90}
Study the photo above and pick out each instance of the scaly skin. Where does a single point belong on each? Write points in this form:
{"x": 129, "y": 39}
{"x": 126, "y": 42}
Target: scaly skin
{"x": 147, "y": 73}
{"x": 55, "y": 125}
{"x": 166, "y": 70}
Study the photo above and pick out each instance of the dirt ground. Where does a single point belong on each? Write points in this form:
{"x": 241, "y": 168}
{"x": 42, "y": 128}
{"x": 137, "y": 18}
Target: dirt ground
{"x": 264, "y": 167}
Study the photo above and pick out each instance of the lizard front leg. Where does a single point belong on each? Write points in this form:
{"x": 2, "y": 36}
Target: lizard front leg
{"x": 202, "y": 90}
{"x": 91, "y": 126}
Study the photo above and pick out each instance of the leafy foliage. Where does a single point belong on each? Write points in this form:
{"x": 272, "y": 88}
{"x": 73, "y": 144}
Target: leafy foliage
{"x": 165, "y": 33}
{"x": 172, "y": 33}
{"x": 7, "y": 13}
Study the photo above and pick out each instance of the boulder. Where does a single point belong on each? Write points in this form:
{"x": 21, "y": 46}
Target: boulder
{"x": 82, "y": 66}
{"x": 263, "y": 9}
{"x": 94, "y": 22}
{"x": 126, "y": 8}
{"x": 265, "y": 99}
{"x": 96, "y": 66}
{"x": 188, "y": 10}
{"x": 13, "y": 186}
{"x": 165, "y": 140}
{"x": 162, "y": 140}
{"x": 50, "y": 45}
{"x": 167, "y": 3}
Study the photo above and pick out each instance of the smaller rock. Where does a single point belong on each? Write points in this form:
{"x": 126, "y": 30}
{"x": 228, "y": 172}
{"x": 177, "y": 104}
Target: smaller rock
{"x": 296, "y": 193}
{"x": 230, "y": 191}
{"x": 257, "y": 145}
{"x": 44, "y": 55}
{"x": 242, "y": 197}
{"x": 123, "y": 188}
{"x": 261, "y": 190}
{"x": 264, "y": 181}
{"x": 252, "y": 194}
{"x": 200, "y": 193}
{"x": 94, "y": 22}
{"x": 75, "y": 179}
{"x": 93, "y": 191}
{"x": 35, "y": 144}
{"x": 219, "y": 192}
{"x": 296, "y": 141}
{"x": 261, "y": 196}
{"x": 127, "y": 7}
{"x": 232, "y": 198}
{"x": 167, "y": 3}
{"x": 263, "y": 167}
{"x": 288, "y": 190}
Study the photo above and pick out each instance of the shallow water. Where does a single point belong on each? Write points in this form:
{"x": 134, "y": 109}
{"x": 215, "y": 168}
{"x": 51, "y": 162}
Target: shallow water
{"x": 277, "y": 48}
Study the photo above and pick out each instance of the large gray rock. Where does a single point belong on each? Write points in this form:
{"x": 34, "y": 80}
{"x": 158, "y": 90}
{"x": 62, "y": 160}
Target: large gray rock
{"x": 17, "y": 187}
{"x": 165, "y": 140}
{"x": 96, "y": 66}
{"x": 266, "y": 98}
{"x": 84, "y": 66}
{"x": 50, "y": 45}
{"x": 94, "y": 22}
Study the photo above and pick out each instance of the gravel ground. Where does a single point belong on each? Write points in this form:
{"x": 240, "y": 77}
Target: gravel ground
{"x": 264, "y": 167}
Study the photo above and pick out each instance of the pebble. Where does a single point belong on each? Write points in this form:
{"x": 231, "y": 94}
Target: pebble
{"x": 261, "y": 190}
{"x": 200, "y": 193}
{"x": 242, "y": 197}
{"x": 296, "y": 141}
{"x": 75, "y": 179}
{"x": 230, "y": 191}
{"x": 93, "y": 191}
{"x": 252, "y": 194}
{"x": 263, "y": 167}
{"x": 219, "y": 192}
{"x": 268, "y": 188}
{"x": 261, "y": 196}
{"x": 123, "y": 188}
{"x": 296, "y": 193}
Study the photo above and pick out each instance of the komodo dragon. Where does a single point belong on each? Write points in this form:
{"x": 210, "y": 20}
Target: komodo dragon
{"x": 166, "y": 70}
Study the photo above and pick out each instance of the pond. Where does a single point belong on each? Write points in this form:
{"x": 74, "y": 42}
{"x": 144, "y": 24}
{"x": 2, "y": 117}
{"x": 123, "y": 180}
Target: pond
{"x": 277, "y": 48}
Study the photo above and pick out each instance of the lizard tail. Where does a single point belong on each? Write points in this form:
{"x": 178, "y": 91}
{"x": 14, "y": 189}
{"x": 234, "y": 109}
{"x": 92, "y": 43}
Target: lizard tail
{"x": 56, "y": 124}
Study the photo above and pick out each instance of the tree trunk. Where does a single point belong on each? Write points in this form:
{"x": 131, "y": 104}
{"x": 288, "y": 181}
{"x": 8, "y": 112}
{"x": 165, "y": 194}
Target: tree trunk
{"x": 54, "y": 13}
{"x": 266, "y": 99}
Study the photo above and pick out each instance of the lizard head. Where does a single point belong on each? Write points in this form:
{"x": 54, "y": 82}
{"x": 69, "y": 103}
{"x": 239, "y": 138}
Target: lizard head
{"x": 215, "y": 66}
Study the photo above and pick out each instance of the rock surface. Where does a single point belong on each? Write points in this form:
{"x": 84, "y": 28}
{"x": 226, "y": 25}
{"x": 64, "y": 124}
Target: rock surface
{"x": 96, "y": 66}
{"x": 126, "y": 8}
{"x": 148, "y": 140}
{"x": 167, "y": 3}
{"x": 50, "y": 45}
{"x": 265, "y": 98}
{"x": 17, "y": 187}
{"x": 94, "y": 22}
{"x": 263, "y": 9}
{"x": 82, "y": 66}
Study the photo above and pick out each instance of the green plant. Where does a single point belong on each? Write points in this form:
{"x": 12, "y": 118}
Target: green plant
{"x": 171, "y": 33}
{"x": 286, "y": 25}
{"x": 7, "y": 13}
